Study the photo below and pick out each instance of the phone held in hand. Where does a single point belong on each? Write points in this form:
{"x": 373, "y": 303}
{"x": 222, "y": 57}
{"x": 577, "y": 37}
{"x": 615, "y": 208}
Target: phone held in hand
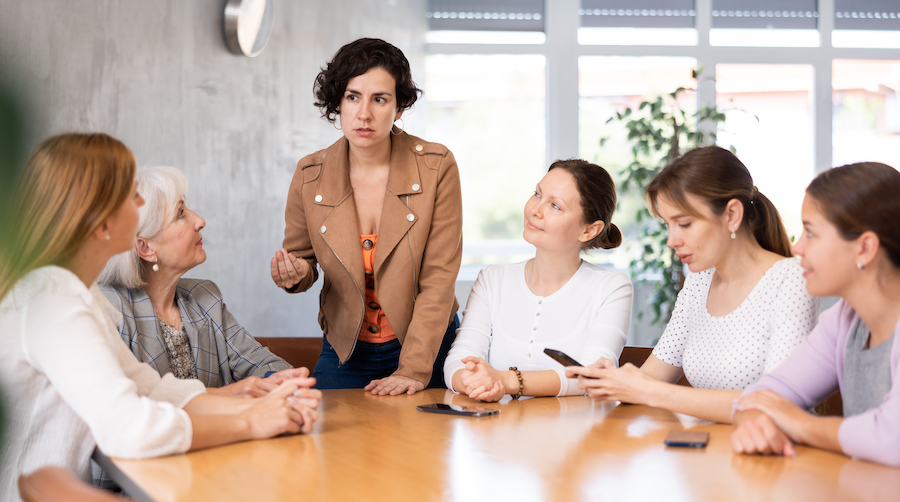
{"x": 561, "y": 357}
{"x": 688, "y": 439}
{"x": 455, "y": 409}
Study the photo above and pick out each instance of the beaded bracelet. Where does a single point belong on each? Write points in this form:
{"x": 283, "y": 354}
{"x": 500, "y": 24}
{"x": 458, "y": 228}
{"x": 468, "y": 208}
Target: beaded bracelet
{"x": 517, "y": 395}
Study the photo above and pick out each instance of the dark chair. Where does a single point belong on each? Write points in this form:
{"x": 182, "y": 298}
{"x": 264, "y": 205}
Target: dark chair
{"x": 297, "y": 351}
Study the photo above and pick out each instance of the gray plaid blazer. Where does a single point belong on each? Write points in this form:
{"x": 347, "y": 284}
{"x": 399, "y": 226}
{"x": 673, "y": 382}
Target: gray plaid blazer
{"x": 223, "y": 350}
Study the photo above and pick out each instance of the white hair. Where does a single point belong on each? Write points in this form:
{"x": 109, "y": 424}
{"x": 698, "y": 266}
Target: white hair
{"x": 162, "y": 188}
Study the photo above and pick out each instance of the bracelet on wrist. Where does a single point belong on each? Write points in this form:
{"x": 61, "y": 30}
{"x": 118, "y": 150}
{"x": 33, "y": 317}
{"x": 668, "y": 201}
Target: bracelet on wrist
{"x": 521, "y": 389}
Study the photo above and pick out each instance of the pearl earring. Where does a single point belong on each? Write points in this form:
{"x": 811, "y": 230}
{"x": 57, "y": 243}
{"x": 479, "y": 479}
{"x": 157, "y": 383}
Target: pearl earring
{"x": 733, "y": 236}
{"x": 155, "y": 267}
{"x": 860, "y": 266}
{"x": 107, "y": 236}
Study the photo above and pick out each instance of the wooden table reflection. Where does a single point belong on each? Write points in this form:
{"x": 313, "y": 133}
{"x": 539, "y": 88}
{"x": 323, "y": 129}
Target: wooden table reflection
{"x": 569, "y": 449}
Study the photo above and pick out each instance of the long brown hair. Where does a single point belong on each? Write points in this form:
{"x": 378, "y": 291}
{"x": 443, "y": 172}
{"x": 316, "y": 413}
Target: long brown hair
{"x": 862, "y": 197}
{"x": 716, "y": 176}
{"x": 71, "y": 184}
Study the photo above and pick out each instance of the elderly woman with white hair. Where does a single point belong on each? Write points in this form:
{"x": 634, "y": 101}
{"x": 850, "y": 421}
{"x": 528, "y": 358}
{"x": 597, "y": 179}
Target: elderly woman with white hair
{"x": 178, "y": 325}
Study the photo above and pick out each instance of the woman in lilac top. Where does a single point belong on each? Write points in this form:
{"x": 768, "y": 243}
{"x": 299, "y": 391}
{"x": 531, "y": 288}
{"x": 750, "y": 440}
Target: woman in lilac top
{"x": 850, "y": 248}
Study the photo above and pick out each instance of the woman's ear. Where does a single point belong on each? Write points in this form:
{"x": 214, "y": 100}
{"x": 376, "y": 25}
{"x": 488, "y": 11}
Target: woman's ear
{"x": 144, "y": 251}
{"x": 734, "y": 215}
{"x": 102, "y": 232}
{"x": 591, "y": 231}
{"x": 867, "y": 251}
{"x": 398, "y": 115}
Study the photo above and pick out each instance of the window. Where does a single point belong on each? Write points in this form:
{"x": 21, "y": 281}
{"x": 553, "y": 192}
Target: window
{"x": 866, "y": 120}
{"x": 769, "y": 121}
{"x": 502, "y": 98}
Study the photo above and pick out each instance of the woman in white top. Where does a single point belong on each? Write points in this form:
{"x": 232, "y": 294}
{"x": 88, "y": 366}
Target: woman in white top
{"x": 68, "y": 380}
{"x": 554, "y": 300}
{"x": 741, "y": 312}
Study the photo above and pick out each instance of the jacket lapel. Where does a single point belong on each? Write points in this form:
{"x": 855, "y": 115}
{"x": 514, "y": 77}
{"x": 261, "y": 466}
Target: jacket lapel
{"x": 403, "y": 180}
{"x": 194, "y": 323}
{"x": 149, "y": 337}
{"x": 342, "y": 225}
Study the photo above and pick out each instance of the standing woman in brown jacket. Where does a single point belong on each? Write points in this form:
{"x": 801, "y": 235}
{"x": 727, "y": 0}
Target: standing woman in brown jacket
{"x": 380, "y": 211}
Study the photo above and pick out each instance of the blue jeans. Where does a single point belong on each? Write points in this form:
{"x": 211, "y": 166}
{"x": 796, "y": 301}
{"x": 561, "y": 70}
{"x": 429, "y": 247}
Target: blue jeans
{"x": 371, "y": 361}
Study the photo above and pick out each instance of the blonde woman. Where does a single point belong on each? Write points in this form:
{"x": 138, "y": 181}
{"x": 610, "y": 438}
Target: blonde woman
{"x": 70, "y": 382}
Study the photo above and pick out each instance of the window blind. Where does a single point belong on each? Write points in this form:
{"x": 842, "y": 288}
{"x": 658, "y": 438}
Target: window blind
{"x": 778, "y": 14}
{"x": 867, "y": 15}
{"x": 637, "y": 13}
{"x": 486, "y": 15}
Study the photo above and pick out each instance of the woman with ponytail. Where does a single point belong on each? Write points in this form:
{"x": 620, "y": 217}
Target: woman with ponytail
{"x": 743, "y": 309}
{"x": 555, "y": 300}
{"x": 850, "y": 248}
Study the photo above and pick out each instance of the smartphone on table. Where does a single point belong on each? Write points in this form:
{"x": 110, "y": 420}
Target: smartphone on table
{"x": 455, "y": 409}
{"x": 687, "y": 439}
{"x": 561, "y": 357}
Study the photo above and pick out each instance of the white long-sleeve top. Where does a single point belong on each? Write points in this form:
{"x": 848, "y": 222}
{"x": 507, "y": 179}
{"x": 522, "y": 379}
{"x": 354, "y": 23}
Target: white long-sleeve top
{"x": 508, "y": 325}
{"x": 69, "y": 383}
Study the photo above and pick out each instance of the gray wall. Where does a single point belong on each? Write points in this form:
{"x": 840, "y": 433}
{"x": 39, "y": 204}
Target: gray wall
{"x": 157, "y": 75}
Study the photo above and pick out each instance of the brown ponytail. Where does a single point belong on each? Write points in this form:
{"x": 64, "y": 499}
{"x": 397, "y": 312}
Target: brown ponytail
{"x": 716, "y": 176}
{"x": 598, "y": 199}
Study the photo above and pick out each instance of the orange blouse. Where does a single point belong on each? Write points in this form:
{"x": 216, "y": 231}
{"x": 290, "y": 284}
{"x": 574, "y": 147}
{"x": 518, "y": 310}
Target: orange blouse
{"x": 375, "y": 327}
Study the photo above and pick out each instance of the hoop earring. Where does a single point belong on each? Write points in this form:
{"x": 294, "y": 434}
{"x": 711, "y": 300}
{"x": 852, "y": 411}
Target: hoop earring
{"x": 155, "y": 267}
{"x": 337, "y": 118}
{"x": 400, "y": 128}
{"x": 733, "y": 236}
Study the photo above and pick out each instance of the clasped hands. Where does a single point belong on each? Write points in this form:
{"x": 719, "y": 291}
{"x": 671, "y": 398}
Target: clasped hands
{"x": 482, "y": 381}
{"x": 772, "y": 429}
{"x": 289, "y": 408}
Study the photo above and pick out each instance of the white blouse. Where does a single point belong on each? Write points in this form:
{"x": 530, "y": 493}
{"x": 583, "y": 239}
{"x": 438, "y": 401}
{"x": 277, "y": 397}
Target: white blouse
{"x": 735, "y": 350}
{"x": 68, "y": 383}
{"x": 508, "y": 325}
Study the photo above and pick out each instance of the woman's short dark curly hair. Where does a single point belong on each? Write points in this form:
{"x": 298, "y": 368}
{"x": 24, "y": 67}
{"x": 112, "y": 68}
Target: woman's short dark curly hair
{"x": 354, "y": 59}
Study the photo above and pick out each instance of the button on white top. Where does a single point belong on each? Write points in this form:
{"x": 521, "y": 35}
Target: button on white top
{"x": 322, "y": 229}
{"x": 318, "y": 198}
{"x": 410, "y": 217}
{"x": 419, "y": 148}
{"x": 416, "y": 186}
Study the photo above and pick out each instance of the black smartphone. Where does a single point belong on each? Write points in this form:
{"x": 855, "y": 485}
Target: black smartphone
{"x": 561, "y": 357}
{"x": 687, "y": 439}
{"x": 455, "y": 409}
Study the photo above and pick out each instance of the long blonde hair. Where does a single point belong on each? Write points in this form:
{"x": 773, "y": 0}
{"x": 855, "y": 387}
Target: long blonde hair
{"x": 71, "y": 184}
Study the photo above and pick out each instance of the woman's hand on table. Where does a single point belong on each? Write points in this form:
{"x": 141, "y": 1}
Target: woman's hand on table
{"x": 252, "y": 387}
{"x": 482, "y": 381}
{"x": 290, "y": 408}
{"x": 757, "y": 433}
{"x": 394, "y": 385}
{"x": 790, "y": 419}
{"x": 287, "y": 269}
{"x": 602, "y": 381}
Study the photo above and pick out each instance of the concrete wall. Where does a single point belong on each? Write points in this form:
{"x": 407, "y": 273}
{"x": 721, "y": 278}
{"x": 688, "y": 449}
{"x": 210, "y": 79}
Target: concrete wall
{"x": 157, "y": 75}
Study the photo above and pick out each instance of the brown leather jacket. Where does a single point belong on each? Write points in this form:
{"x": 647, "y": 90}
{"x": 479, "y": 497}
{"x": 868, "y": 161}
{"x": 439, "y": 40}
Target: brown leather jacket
{"x": 417, "y": 257}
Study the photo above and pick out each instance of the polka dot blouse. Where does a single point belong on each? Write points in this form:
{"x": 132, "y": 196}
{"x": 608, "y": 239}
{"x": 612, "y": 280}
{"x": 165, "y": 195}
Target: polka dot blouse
{"x": 734, "y": 351}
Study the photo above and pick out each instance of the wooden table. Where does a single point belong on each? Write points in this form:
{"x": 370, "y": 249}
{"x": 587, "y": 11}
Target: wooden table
{"x": 370, "y": 448}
